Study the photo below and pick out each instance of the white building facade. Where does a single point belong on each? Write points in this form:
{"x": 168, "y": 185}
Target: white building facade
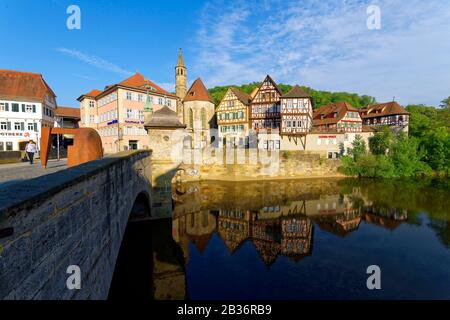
{"x": 26, "y": 105}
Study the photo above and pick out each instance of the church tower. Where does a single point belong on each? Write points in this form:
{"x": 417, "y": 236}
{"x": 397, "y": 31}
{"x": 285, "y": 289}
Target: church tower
{"x": 180, "y": 77}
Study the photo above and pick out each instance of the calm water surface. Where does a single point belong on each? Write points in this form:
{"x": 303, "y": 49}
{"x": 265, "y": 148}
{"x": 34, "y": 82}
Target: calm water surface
{"x": 303, "y": 239}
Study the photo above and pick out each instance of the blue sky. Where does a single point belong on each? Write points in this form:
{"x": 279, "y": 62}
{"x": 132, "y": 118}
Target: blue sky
{"x": 322, "y": 44}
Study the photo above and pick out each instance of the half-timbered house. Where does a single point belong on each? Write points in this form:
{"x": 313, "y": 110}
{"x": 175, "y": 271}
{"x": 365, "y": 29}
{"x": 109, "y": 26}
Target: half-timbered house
{"x": 265, "y": 106}
{"x": 337, "y": 117}
{"x": 388, "y": 113}
{"x": 233, "y": 118}
{"x": 296, "y": 118}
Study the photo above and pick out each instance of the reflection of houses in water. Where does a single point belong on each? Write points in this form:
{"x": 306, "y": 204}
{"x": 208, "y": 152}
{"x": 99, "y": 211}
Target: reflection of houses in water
{"x": 389, "y": 218}
{"x": 233, "y": 227}
{"x": 296, "y": 236}
{"x": 266, "y": 236}
{"x": 338, "y": 214}
{"x": 277, "y": 229}
{"x": 282, "y": 229}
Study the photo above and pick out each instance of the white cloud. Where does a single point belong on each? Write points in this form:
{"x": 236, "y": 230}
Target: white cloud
{"x": 95, "y": 61}
{"x": 326, "y": 45}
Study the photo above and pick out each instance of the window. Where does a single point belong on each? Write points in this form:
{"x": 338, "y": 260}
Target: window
{"x": 9, "y": 145}
{"x": 289, "y": 103}
{"x": 19, "y": 126}
{"x": 29, "y": 108}
{"x": 91, "y": 104}
{"x": 160, "y": 101}
{"x": 140, "y": 97}
{"x": 203, "y": 118}
{"x": 129, "y": 96}
{"x": 4, "y": 106}
{"x": 129, "y": 113}
{"x": 91, "y": 119}
{"x": 30, "y": 127}
{"x": 191, "y": 118}
{"x": 277, "y": 144}
{"x": 3, "y": 126}
{"x": 15, "y": 107}
{"x": 288, "y": 123}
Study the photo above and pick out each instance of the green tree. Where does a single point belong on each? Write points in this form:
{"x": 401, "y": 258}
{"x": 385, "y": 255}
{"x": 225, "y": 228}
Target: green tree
{"x": 406, "y": 157}
{"x": 436, "y": 144}
{"x": 380, "y": 142}
{"x": 445, "y": 103}
{"x": 358, "y": 148}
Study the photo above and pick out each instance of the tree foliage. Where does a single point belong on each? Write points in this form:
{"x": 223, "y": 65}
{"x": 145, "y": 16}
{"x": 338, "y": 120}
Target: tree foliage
{"x": 319, "y": 97}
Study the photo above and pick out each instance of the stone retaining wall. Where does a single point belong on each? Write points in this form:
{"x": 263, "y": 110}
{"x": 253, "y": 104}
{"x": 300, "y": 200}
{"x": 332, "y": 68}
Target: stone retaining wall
{"x": 285, "y": 165}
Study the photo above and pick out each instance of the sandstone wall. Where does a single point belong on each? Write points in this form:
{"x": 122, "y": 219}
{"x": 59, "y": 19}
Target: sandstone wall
{"x": 284, "y": 165}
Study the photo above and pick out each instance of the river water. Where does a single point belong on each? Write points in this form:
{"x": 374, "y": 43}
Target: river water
{"x": 297, "y": 239}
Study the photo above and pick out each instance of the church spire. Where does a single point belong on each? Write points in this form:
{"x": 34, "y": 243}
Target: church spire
{"x": 180, "y": 62}
{"x": 180, "y": 77}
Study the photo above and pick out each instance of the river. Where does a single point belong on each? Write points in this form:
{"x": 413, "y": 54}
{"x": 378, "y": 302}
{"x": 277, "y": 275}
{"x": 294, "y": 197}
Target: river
{"x": 293, "y": 239}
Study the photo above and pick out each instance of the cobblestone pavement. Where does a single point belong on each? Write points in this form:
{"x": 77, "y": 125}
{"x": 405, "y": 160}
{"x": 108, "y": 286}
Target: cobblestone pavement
{"x": 17, "y": 172}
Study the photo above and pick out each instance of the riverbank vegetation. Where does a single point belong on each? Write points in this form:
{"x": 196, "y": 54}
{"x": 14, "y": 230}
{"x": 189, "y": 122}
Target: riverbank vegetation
{"x": 426, "y": 151}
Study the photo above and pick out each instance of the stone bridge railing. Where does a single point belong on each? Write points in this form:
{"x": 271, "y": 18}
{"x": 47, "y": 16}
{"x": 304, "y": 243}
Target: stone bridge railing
{"x": 73, "y": 217}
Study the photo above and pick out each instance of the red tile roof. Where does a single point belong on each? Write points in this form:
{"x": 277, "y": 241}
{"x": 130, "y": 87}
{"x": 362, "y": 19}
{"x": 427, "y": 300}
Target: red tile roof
{"x": 67, "y": 112}
{"x": 329, "y": 110}
{"x": 139, "y": 82}
{"x": 382, "y": 109}
{"x": 91, "y": 94}
{"x": 17, "y": 85}
{"x": 198, "y": 92}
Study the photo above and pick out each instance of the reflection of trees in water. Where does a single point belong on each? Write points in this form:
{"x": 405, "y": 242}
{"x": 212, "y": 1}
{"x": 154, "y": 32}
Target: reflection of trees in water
{"x": 408, "y": 197}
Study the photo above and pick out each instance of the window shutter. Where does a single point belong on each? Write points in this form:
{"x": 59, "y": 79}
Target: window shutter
{"x": 22, "y": 126}
{"x": 35, "y": 126}
{"x": 8, "y": 126}
{"x": 6, "y": 106}
{"x": 34, "y": 108}
{"x": 23, "y": 107}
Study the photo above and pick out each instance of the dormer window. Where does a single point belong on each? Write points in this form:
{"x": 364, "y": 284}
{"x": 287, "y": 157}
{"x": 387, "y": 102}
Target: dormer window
{"x": 335, "y": 115}
{"x": 322, "y": 116}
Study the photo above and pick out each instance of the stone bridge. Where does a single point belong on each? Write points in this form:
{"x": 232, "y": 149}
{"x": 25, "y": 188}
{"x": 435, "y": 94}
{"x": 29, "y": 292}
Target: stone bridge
{"x": 76, "y": 217}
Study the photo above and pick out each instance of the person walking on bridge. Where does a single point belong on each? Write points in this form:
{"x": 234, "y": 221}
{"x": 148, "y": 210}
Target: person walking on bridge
{"x": 30, "y": 149}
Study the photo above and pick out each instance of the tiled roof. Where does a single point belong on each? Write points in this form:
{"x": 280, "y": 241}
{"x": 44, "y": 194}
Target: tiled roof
{"x": 242, "y": 96}
{"x": 198, "y": 92}
{"x": 136, "y": 81}
{"x": 139, "y": 82}
{"x": 296, "y": 92}
{"x": 91, "y": 94}
{"x": 27, "y": 86}
{"x": 382, "y": 109}
{"x": 164, "y": 118}
{"x": 67, "y": 112}
{"x": 329, "y": 110}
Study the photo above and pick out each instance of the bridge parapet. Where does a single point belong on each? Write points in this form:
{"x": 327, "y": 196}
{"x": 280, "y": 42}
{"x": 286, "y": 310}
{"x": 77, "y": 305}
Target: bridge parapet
{"x": 72, "y": 217}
